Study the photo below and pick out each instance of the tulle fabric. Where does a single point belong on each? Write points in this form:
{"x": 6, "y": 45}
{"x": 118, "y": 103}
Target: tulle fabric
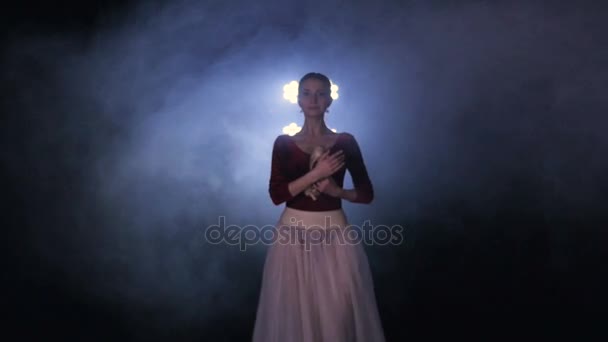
{"x": 316, "y": 286}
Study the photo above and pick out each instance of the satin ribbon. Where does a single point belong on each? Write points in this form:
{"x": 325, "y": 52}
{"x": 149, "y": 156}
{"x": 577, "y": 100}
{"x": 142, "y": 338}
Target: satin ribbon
{"x": 312, "y": 190}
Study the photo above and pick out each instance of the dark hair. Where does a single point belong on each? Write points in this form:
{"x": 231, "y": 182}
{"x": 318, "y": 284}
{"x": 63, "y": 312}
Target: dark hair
{"x": 316, "y": 76}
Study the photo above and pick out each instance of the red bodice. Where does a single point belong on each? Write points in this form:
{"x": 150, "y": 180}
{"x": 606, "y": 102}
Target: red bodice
{"x": 289, "y": 163}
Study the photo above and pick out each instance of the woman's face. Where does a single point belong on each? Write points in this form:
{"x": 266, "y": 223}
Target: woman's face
{"x": 314, "y": 97}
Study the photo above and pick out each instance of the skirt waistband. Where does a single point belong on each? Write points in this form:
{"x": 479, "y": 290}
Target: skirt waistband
{"x": 313, "y": 219}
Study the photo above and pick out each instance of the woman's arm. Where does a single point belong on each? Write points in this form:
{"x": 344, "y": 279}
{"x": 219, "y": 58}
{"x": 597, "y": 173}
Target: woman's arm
{"x": 348, "y": 194}
{"x": 363, "y": 191}
{"x": 329, "y": 187}
{"x": 279, "y": 185}
{"x": 282, "y": 189}
{"x": 297, "y": 186}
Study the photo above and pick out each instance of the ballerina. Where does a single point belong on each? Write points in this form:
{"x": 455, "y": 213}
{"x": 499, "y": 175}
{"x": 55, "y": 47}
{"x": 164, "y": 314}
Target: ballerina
{"x": 316, "y": 289}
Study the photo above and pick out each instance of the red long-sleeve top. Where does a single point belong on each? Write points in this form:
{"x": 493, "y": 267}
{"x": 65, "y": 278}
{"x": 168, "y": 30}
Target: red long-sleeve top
{"x": 289, "y": 163}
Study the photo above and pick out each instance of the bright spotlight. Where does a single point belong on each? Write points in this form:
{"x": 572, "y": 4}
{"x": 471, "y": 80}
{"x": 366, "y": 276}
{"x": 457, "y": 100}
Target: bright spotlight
{"x": 291, "y": 129}
{"x": 290, "y": 92}
{"x": 334, "y": 91}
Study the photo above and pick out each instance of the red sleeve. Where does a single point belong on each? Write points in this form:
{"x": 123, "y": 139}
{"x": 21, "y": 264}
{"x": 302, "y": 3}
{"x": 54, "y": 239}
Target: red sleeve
{"x": 358, "y": 171}
{"x": 278, "y": 187}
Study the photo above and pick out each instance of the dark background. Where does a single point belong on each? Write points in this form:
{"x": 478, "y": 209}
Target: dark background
{"x": 125, "y": 129}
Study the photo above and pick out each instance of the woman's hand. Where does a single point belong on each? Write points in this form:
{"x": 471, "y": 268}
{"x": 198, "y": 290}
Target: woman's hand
{"x": 328, "y": 186}
{"x": 327, "y": 164}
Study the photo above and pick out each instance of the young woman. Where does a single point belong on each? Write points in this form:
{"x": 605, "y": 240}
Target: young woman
{"x": 317, "y": 284}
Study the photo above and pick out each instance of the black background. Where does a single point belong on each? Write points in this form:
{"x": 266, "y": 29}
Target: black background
{"x": 525, "y": 264}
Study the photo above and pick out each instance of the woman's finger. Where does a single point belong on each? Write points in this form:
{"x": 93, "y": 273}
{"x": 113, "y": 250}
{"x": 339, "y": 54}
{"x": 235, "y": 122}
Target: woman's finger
{"x": 337, "y": 160}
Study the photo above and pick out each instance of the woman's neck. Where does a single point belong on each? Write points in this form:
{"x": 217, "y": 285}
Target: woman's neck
{"x": 314, "y": 127}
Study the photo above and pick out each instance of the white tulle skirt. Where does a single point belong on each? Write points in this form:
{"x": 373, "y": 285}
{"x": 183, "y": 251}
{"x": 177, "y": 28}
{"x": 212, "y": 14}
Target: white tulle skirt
{"x": 317, "y": 285}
